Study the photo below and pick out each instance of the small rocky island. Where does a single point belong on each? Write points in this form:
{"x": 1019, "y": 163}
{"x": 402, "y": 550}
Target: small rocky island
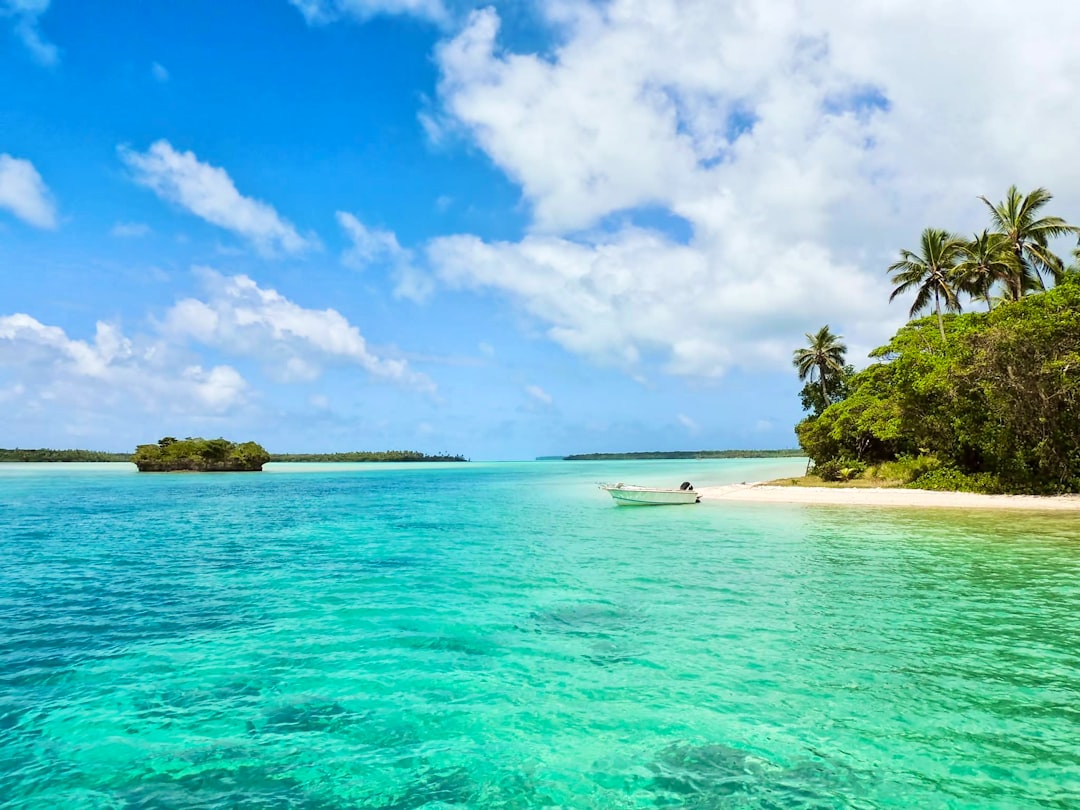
{"x": 200, "y": 455}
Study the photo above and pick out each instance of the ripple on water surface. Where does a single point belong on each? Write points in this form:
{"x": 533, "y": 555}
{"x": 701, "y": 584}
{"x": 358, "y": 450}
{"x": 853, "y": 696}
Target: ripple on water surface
{"x": 501, "y": 636}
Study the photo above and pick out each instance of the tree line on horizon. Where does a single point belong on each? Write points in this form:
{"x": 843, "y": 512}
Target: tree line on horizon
{"x": 47, "y": 454}
{"x": 366, "y": 456}
{"x": 981, "y": 400}
{"x": 683, "y": 454}
{"x": 213, "y": 449}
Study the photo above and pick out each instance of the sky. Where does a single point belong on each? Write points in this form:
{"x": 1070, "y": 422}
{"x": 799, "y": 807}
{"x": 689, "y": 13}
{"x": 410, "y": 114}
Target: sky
{"x": 512, "y": 230}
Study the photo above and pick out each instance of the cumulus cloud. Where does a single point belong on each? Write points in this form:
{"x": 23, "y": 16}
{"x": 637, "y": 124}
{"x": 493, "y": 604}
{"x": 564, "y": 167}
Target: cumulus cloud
{"x": 111, "y": 369}
{"x": 110, "y": 379}
{"x": 25, "y": 14}
{"x": 637, "y": 293}
{"x": 24, "y": 193}
{"x": 539, "y": 394}
{"x": 294, "y": 343}
{"x": 710, "y": 180}
{"x": 318, "y": 12}
{"x": 208, "y": 192}
{"x": 373, "y": 246}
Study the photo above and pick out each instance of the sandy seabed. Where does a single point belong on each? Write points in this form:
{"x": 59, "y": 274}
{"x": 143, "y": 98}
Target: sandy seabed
{"x": 827, "y": 496}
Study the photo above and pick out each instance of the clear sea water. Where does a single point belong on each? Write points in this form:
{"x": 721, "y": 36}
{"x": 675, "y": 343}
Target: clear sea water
{"x": 501, "y": 635}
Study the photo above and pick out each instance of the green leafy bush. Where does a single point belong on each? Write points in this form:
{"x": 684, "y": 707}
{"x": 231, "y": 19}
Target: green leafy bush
{"x": 827, "y": 470}
{"x": 950, "y": 479}
{"x": 838, "y": 470}
{"x": 905, "y": 469}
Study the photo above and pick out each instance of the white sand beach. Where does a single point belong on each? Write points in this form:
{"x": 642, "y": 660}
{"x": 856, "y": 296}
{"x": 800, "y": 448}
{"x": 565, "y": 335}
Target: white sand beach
{"x": 826, "y": 496}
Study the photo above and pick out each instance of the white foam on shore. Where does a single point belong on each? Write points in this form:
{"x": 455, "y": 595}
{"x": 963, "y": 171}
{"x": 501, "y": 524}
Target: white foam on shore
{"x": 916, "y": 498}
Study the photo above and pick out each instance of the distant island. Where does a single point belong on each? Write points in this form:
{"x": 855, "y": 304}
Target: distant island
{"x": 684, "y": 454}
{"x": 153, "y": 456}
{"x": 360, "y": 455}
{"x": 199, "y": 455}
{"x": 42, "y": 454}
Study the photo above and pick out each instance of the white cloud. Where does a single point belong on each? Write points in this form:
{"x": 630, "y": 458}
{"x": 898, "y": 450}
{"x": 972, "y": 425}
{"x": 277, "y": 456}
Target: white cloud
{"x": 294, "y": 343}
{"x": 372, "y": 246}
{"x": 24, "y": 193}
{"x": 26, "y": 14}
{"x": 111, "y": 370}
{"x": 688, "y": 423}
{"x": 317, "y": 12}
{"x": 110, "y": 382}
{"x": 539, "y": 394}
{"x": 637, "y": 293}
{"x": 799, "y": 145}
{"x": 159, "y": 72}
{"x": 128, "y": 230}
{"x": 208, "y": 192}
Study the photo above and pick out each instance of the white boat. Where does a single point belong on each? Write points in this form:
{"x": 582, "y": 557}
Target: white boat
{"x": 630, "y": 495}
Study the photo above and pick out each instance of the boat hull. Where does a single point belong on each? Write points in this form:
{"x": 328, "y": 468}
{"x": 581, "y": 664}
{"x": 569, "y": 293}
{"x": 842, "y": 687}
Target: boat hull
{"x": 645, "y": 496}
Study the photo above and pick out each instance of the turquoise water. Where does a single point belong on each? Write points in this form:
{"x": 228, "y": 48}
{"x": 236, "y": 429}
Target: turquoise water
{"x": 501, "y": 635}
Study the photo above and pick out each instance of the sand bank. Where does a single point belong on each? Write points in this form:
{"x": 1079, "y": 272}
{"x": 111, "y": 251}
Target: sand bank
{"x": 825, "y": 496}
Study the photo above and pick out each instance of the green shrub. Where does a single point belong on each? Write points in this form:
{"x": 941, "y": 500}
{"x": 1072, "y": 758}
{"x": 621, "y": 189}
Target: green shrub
{"x": 838, "y": 470}
{"x": 827, "y": 470}
{"x": 950, "y": 479}
{"x": 905, "y": 469}
{"x": 851, "y": 471}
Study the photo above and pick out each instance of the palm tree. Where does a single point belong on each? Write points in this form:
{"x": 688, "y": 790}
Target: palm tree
{"x": 825, "y": 355}
{"x": 931, "y": 272}
{"x": 1028, "y": 237}
{"x": 982, "y": 262}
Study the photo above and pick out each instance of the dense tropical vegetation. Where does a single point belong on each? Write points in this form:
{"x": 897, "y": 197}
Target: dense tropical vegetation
{"x": 360, "y": 455}
{"x": 199, "y": 455}
{"x": 43, "y": 454}
{"x": 983, "y": 401}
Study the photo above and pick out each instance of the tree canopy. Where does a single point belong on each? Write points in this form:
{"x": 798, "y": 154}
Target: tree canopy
{"x": 201, "y": 455}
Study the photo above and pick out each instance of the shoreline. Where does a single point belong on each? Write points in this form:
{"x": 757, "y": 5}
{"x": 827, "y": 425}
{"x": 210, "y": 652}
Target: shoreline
{"x": 893, "y": 497}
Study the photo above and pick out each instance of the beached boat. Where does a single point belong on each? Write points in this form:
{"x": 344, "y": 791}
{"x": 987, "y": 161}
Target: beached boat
{"x": 630, "y": 495}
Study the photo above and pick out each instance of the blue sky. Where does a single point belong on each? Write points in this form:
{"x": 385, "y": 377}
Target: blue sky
{"x": 508, "y": 231}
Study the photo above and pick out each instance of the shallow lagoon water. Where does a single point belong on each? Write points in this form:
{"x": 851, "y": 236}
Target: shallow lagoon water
{"x": 501, "y": 635}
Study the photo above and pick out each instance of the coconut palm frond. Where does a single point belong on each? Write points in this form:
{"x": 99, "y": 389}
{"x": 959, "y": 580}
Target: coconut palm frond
{"x": 1027, "y": 236}
{"x": 823, "y": 358}
{"x": 931, "y": 272}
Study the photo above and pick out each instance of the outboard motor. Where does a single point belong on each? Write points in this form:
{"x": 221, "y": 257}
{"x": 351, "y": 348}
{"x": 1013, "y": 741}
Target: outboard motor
{"x": 686, "y": 485}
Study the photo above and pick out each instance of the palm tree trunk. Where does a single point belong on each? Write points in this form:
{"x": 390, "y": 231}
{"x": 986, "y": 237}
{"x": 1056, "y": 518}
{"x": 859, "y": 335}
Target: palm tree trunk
{"x": 937, "y": 308}
{"x": 824, "y": 392}
{"x": 1016, "y": 283}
